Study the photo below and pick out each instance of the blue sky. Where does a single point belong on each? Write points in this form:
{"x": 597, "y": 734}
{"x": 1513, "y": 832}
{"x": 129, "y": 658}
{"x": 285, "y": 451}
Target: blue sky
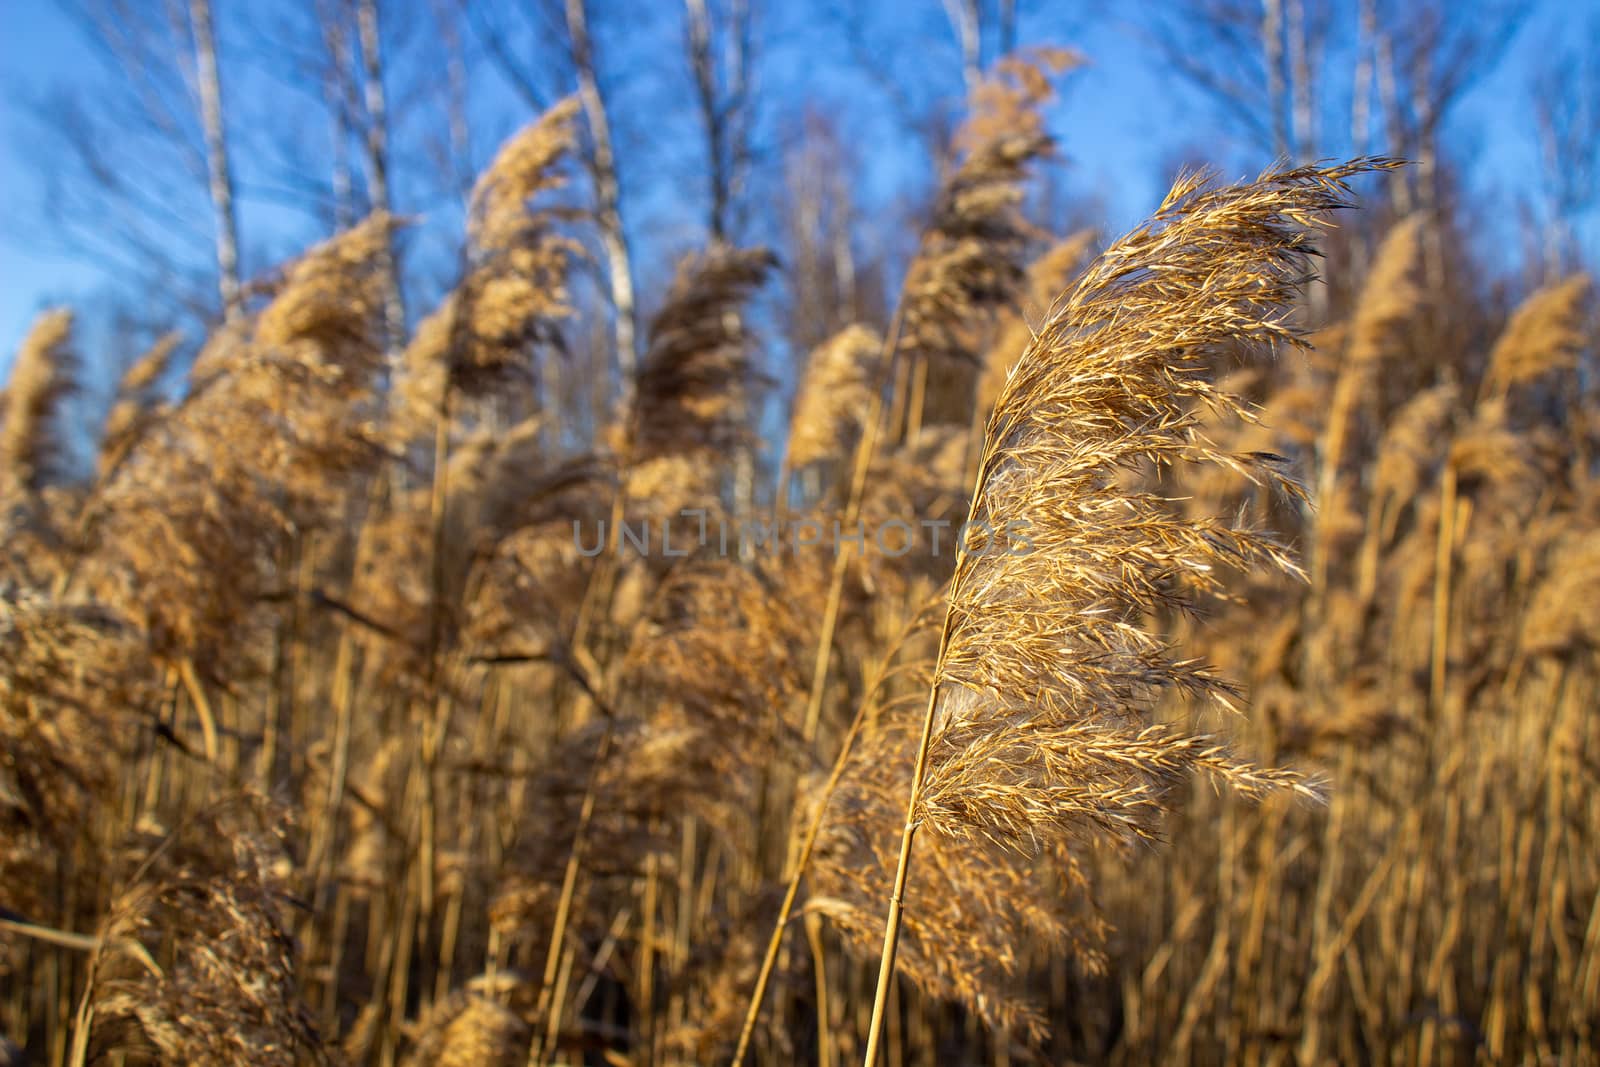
{"x": 36, "y": 49}
{"x": 1121, "y": 120}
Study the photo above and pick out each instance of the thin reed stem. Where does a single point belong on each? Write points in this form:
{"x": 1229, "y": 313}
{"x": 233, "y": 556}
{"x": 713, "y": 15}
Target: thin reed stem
{"x": 545, "y": 1008}
{"x": 891, "y": 926}
{"x": 802, "y": 859}
{"x": 866, "y": 447}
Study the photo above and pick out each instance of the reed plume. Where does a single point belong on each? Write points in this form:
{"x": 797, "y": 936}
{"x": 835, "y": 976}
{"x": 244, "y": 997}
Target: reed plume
{"x": 32, "y": 449}
{"x": 279, "y": 421}
{"x": 1037, "y": 731}
{"x": 553, "y": 798}
{"x": 470, "y": 1028}
{"x": 75, "y": 685}
{"x": 483, "y": 336}
{"x": 690, "y": 726}
{"x": 1563, "y": 614}
{"x": 1390, "y": 297}
{"x": 134, "y": 407}
{"x": 978, "y": 917}
{"x": 196, "y": 961}
{"x": 1410, "y": 450}
{"x": 1545, "y": 334}
{"x": 970, "y": 264}
{"x": 1047, "y": 277}
{"x": 718, "y": 656}
{"x": 697, "y": 384}
{"x": 834, "y": 397}
{"x": 516, "y": 530}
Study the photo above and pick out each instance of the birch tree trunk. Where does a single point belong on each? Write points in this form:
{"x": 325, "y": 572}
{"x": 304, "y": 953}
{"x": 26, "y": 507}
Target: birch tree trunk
{"x": 219, "y": 176}
{"x": 724, "y": 105}
{"x": 603, "y": 172}
{"x": 377, "y": 144}
{"x": 964, "y": 19}
{"x": 336, "y": 93}
{"x": 1272, "y": 55}
{"x": 1361, "y": 89}
{"x": 1302, "y": 130}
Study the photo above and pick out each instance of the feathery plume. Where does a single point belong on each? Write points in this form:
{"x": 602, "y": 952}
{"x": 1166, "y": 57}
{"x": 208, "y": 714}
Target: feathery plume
{"x": 1544, "y": 334}
{"x": 515, "y": 288}
{"x": 1390, "y": 295}
{"x": 1047, "y": 278}
{"x": 1389, "y": 298}
{"x": 134, "y": 407}
{"x": 1564, "y": 613}
{"x": 74, "y": 680}
{"x": 470, "y": 1028}
{"x": 1048, "y": 640}
{"x": 527, "y": 166}
{"x": 42, "y": 377}
{"x": 1037, "y": 734}
{"x": 978, "y": 917}
{"x": 696, "y": 385}
{"x": 516, "y": 534}
{"x": 1410, "y": 451}
{"x": 834, "y": 397}
{"x": 970, "y": 262}
{"x": 278, "y": 422}
{"x": 196, "y": 961}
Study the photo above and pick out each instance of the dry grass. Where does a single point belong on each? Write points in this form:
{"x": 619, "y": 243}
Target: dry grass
{"x": 42, "y": 377}
{"x": 324, "y": 740}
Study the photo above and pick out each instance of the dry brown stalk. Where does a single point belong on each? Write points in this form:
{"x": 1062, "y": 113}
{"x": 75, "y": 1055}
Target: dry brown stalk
{"x": 816, "y": 802}
{"x": 1041, "y": 660}
{"x": 596, "y": 778}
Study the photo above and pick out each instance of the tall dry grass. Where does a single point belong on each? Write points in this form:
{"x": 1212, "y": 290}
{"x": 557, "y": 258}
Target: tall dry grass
{"x": 328, "y": 739}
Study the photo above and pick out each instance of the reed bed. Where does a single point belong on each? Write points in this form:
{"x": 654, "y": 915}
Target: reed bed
{"x": 1125, "y": 659}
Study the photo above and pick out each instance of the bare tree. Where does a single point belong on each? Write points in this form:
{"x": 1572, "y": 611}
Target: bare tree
{"x": 601, "y": 161}
{"x": 141, "y": 181}
{"x": 1256, "y": 60}
{"x": 561, "y": 56}
{"x": 1265, "y": 63}
{"x": 927, "y": 102}
{"x": 1006, "y": 20}
{"x": 722, "y": 93}
{"x": 966, "y": 19}
{"x": 297, "y": 145}
{"x": 723, "y": 99}
{"x": 1429, "y": 54}
{"x": 219, "y": 175}
{"x": 829, "y": 287}
{"x": 457, "y": 153}
{"x": 377, "y": 146}
{"x": 1566, "y": 110}
{"x": 1302, "y": 130}
{"x": 338, "y": 93}
{"x": 1361, "y": 90}
{"x": 1440, "y": 50}
{"x": 1272, "y": 53}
